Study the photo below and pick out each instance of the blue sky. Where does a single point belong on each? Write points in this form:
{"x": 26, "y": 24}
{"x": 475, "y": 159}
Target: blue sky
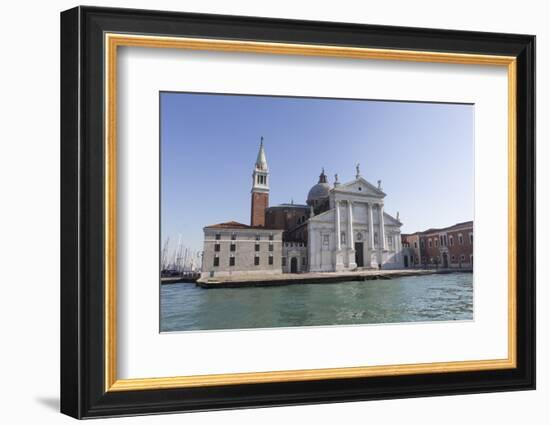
{"x": 422, "y": 152}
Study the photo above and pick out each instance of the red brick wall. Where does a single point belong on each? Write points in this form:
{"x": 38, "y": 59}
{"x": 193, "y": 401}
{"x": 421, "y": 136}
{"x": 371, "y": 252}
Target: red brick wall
{"x": 285, "y": 218}
{"x": 260, "y": 201}
{"x": 409, "y": 242}
{"x": 457, "y": 249}
{"x": 458, "y": 253}
{"x": 432, "y": 251}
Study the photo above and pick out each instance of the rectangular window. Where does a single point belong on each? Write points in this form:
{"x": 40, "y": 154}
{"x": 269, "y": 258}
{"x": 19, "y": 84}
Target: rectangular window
{"x": 271, "y": 237}
{"x": 471, "y": 239}
{"x": 217, "y": 247}
{"x": 271, "y": 260}
{"x": 436, "y": 242}
{"x": 283, "y": 261}
{"x": 256, "y": 261}
{"x": 429, "y": 243}
{"x": 415, "y": 245}
{"x": 218, "y": 236}
{"x": 257, "y": 237}
{"x": 451, "y": 242}
{"x": 232, "y": 247}
{"x": 257, "y": 247}
{"x": 271, "y": 247}
{"x": 233, "y": 236}
{"x": 216, "y": 261}
{"x": 462, "y": 257}
{"x": 460, "y": 239}
{"x": 231, "y": 261}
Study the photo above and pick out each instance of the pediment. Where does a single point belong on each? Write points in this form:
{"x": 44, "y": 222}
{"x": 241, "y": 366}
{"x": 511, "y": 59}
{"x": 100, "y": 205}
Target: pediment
{"x": 324, "y": 217}
{"x": 360, "y": 187}
{"x": 391, "y": 221}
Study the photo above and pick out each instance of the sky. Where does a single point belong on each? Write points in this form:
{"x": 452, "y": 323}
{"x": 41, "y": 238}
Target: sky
{"x": 422, "y": 152}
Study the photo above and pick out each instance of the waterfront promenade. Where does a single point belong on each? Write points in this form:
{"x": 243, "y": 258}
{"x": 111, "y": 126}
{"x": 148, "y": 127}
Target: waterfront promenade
{"x": 249, "y": 280}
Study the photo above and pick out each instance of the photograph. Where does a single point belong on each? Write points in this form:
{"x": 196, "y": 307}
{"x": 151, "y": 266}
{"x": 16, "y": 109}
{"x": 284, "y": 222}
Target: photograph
{"x": 280, "y": 211}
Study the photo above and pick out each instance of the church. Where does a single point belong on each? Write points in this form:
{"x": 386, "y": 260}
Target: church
{"x": 342, "y": 227}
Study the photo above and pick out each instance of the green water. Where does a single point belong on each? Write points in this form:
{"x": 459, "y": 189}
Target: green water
{"x": 185, "y": 307}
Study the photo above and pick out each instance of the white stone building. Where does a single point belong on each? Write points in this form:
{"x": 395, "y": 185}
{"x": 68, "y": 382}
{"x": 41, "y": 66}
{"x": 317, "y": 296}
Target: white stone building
{"x": 342, "y": 228}
{"x": 238, "y": 249}
{"x": 351, "y": 229}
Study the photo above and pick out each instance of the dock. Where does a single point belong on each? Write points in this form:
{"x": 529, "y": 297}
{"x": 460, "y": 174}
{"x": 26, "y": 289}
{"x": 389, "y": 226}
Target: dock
{"x": 183, "y": 277}
{"x": 242, "y": 281}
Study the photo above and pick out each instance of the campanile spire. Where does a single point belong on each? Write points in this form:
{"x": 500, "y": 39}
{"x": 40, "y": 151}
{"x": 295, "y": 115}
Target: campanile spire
{"x": 261, "y": 161}
{"x": 260, "y": 188}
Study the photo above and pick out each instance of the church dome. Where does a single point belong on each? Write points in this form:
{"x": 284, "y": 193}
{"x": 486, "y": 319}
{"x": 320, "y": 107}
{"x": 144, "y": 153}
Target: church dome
{"x": 320, "y": 191}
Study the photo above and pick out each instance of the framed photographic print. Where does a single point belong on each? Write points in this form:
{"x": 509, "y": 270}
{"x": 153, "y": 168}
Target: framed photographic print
{"x": 261, "y": 212}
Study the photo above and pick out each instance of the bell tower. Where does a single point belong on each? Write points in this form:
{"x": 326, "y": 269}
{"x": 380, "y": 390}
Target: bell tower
{"x": 260, "y": 189}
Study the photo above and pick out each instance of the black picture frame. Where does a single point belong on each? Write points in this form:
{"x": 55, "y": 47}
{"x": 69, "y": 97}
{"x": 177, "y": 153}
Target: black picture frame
{"x": 83, "y": 392}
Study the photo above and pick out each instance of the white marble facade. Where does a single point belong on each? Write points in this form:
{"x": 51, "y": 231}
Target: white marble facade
{"x": 354, "y": 232}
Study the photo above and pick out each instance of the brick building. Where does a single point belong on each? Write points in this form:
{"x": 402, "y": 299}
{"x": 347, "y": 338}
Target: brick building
{"x": 449, "y": 247}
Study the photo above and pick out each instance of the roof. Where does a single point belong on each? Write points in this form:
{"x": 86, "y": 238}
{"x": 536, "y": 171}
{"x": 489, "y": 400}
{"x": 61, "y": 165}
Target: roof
{"x": 237, "y": 225}
{"x": 320, "y": 190}
{"x": 361, "y": 180}
{"x": 288, "y": 206}
{"x": 442, "y": 229}
{"x": 230, "y": 225}
{"x": 392, "y": 218}
{"x": 261, "y": 161}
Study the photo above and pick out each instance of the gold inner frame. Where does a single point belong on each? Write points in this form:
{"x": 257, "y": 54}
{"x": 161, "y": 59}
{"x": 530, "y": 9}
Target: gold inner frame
{"x": 113, "y": 41}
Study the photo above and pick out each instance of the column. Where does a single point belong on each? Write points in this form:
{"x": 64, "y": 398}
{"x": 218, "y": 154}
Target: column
{"x": 350, "y": 225}
{"x": 371, "y": 226}
{"x": 338, "y": 257}
{"x": 382, "y": 233}
{"x": 351, "y": 246}
{"x": 337, "y": 226}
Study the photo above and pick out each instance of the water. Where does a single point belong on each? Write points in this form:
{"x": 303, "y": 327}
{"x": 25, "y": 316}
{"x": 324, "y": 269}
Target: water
{"x": 436, "y": 297}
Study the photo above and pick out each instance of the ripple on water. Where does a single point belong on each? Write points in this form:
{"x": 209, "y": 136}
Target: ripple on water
{"x": 406, "y": 299}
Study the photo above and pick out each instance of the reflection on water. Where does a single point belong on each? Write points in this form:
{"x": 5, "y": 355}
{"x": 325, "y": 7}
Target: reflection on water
{"x": 186, "y": 307}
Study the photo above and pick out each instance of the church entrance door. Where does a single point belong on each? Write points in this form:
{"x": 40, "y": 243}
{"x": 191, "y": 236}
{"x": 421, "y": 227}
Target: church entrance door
{"x": 359, "y": 254}
{"x": 294, "y": 265}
